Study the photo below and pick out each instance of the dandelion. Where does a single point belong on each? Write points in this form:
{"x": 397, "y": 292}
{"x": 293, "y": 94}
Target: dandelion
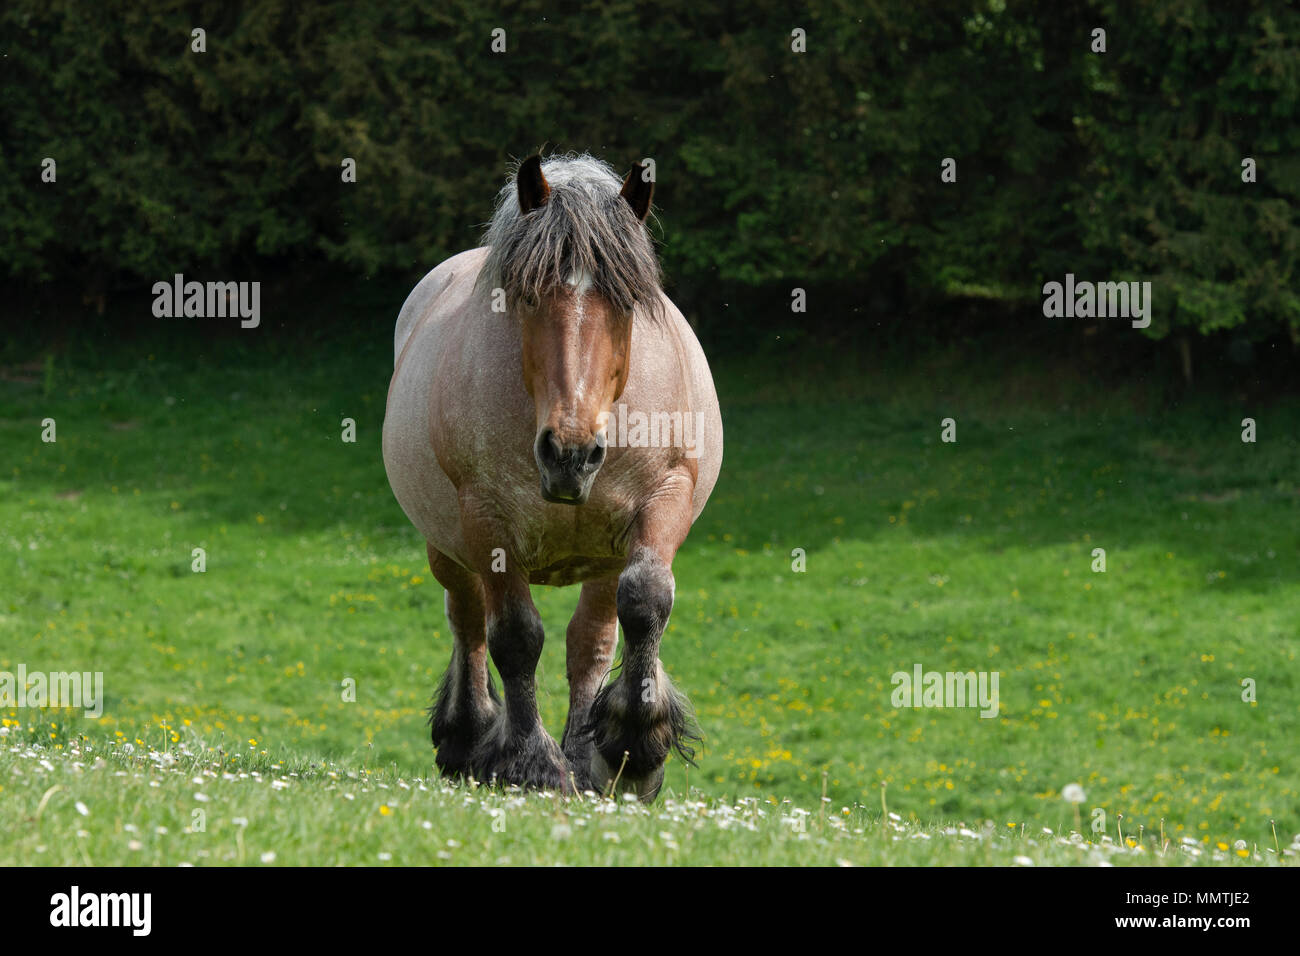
{"x": 1074, "y": 795}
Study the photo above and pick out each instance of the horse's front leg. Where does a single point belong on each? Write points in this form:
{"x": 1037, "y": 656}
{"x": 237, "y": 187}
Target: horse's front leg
{"x": 640, "y": 716}
{"x": 591, "y": 639}
{"x": 466, "y": 705}
{"x": 516, "y": 749}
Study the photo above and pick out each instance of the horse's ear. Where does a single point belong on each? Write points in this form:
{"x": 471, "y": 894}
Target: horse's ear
{"x": 532, "y": 185}
{"x": 638, "y": 190}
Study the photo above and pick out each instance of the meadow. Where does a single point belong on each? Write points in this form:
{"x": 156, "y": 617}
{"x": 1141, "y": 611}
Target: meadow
{"x": 974, "y": 555}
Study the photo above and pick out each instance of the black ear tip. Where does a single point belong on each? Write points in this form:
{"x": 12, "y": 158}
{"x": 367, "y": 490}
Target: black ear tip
{"x": 637, "y": 190}
{"x": 531, "y": 184}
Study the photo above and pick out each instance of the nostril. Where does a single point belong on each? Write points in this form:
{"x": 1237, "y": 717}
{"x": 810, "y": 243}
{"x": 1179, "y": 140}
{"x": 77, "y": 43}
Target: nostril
{"x": 548, "y": 449}
{"x": 555, "y": 457}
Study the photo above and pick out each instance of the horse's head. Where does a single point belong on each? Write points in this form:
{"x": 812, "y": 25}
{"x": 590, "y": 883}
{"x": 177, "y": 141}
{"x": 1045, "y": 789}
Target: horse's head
{"x": 577, "y": 332}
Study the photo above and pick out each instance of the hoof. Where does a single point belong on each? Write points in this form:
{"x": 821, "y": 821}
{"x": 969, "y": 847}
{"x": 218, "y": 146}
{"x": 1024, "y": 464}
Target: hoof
{"x": 578, "y": 750}
{"x": 645, "y": 723}
{"x": 602, "y": 776}
{"x": 533, "y": 760}
{"x": 457, "y": 728}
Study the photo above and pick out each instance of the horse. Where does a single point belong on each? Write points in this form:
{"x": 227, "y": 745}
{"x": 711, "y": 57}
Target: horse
{"x": 504, "y": 447}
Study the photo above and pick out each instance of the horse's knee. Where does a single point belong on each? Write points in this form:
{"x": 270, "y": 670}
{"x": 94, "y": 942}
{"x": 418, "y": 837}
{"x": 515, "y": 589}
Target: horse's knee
{"x": 645, "y": 598}
{"x": 515, "y": 639}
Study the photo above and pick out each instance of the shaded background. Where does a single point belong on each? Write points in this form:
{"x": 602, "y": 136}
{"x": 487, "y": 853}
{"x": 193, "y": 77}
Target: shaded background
{"x": 775, "y": 169}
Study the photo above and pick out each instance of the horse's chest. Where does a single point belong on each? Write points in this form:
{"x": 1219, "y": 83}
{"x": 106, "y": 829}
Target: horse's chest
{"x": 564, "y": 544}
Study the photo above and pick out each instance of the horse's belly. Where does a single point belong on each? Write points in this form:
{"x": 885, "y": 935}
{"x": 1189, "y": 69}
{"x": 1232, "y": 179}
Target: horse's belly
{"x": 426, "y": 494}
{"x": 419, "y": 484}
{"x": 574, "y": 570}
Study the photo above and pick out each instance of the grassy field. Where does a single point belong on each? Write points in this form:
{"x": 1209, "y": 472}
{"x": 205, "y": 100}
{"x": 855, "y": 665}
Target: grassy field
{"x": 89, "y": 804}
{"x": 224, "y": 688}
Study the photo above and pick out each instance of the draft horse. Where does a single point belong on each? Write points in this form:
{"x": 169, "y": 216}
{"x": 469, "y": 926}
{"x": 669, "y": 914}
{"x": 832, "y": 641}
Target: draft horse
{"x": 504, "y": 447}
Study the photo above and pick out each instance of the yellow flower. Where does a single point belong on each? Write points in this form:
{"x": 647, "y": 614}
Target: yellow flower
{"x": 385, "y": 810}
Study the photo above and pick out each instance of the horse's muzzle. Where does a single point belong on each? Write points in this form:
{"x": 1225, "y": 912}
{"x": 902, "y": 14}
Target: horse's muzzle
{"x": 567, "y": 470}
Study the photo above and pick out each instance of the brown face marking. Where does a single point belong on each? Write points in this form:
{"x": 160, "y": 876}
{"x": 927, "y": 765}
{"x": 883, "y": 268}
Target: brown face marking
{"x": 576, "y": 350}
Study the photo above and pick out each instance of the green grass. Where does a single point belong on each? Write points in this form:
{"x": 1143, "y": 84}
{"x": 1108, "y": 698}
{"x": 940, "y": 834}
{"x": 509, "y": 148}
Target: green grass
{"x": 967, "y": 556}
{"x": 186, "y": 805}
